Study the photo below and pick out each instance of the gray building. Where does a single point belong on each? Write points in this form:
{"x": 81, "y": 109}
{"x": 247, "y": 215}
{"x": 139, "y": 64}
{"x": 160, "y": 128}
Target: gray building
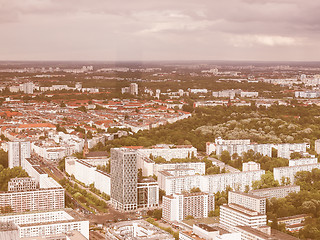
{"x": 124, "y": 178}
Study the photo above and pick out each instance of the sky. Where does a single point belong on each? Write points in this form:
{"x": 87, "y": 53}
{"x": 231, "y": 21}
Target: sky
{"x": 143, "y": 30}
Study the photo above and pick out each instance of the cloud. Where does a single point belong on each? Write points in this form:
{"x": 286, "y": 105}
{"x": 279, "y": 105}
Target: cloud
{"x": 250, "y": 40}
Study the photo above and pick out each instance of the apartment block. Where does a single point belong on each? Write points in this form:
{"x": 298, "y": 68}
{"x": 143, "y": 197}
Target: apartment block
{"x": 18, "y": 151}
{"x": 177, "y": 207}
{"x": 173, "y": 182}
{"x": 233, "y": 215}
{"x": 88, "y": 174}
{"x": 302, "y": 161}
{"x": 47, "y": 223}
{"x": 21, "y": 184}
{"x": 289, "y": 172}
{"x": 317, "y": 146}
{"x": 249, "y": 201}
{"x": 275, "y": 192}
{"x": 250, "y": 166}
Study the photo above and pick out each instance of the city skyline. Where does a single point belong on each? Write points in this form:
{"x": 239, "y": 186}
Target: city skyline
{"x": 152, "y": 30}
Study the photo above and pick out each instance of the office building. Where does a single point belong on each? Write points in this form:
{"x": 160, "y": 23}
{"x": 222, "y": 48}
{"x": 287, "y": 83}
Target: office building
{"x": 275, "y": 192}
{"x": 124, "y": 176}
{"x": 177, "y": 207}
{"x": 17, "y": 152}
{"x": 148, "y": 193}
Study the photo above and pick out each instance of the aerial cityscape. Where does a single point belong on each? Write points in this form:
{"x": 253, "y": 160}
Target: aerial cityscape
{"x": 149, "y": 120}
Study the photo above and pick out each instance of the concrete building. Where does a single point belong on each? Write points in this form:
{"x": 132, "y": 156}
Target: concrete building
{"x": 249, "y": 94}
{"x": 133, "y": 88}
{"x": 233, "y": 215}
{"x": 302, "y": 161}
{"x": 177, "y": 207}
{"x": 124, "y": 177}
{"x": 44, "y": 223}
{"x": 202, "y": 231}
{"x": 317, "y": 146}
{"x": 88, "y": 174}
{"x": 137, "y": 230}
{"x": 23, "y": 197}
{"x": 275, "y": 192}
{"x": 21, "y": 184}
{"x": 27, "y": 88}
{"x": 250, "y": 166}
{"x": 148, "y": 193}
{"x": 285, "y": 149}
{"x": 249, "y": 201}
{"x": 17, "y": 153}
{"x": 289, "y": 172}
{"x": 184, "y": 180}
{"x": 262, "y": 233}
{"x": 169, "y": 152}
{"x": 9, "y": 231}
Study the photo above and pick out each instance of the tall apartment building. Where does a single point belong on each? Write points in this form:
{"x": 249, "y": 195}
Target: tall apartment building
{"x": 317, "y": 146}
{"x": 290, "y": 172}
{"x": 17, "y": 152}
{"x": 277, "y": 192}
{"x": 249, "y": 201}
{"x": 9, "y": 231}
{"x": 133, "y": 88}
{"x": 177, "y": 207}
{"x": 27, "y": 88}
{"x": 124, "y": 178}
{"x": 47, "y": 223}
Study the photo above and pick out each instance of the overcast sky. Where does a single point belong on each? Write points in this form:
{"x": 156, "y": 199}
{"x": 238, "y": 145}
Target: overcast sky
{"x": 272, "y": 30}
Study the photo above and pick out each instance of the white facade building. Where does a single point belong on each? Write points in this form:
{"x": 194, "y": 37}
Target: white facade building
{"x": 277, "y": 192}
{"x": 250, "y": 166}
{"x": 17, "y": 153}
{"x": 290, "y": 172}
{"x": 44, "y": 223}
{"x": 249, "y": 201}
{"x": 302, "y": 161}
{"x": 177, "y": 207}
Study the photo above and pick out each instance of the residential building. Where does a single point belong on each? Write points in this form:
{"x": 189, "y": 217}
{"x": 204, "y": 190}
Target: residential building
{"x": 124, "y": 176}
{"x": 293, "y": 223}
{"x": 21, "y": 184}
{"x": 290, "y": 172}
{"x": 249, "y": 201}
{"x": 88, "y": 174}
{"x": 262, "y": 233}
{"x": 133, "y": 88}
{"x": 27, "y": 88}
{"x": 184, "y": 180}
{"x": 177, "y": 207}
{"x": 9, "y": 231}
{"x": 249, "y": 94}
{"x": 302, "y": 161}
{"x": 18, "y": 151}
{"x": 276, "y": 192}
{"x": 44, "y": 223}
{"x": 233, "y": 215}
{"x": 317, "y": 146}
{"x": 250, "y": 166}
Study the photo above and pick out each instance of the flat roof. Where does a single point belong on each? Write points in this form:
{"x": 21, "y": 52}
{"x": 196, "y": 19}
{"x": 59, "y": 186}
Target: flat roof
{"x": 275, "y": 234}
